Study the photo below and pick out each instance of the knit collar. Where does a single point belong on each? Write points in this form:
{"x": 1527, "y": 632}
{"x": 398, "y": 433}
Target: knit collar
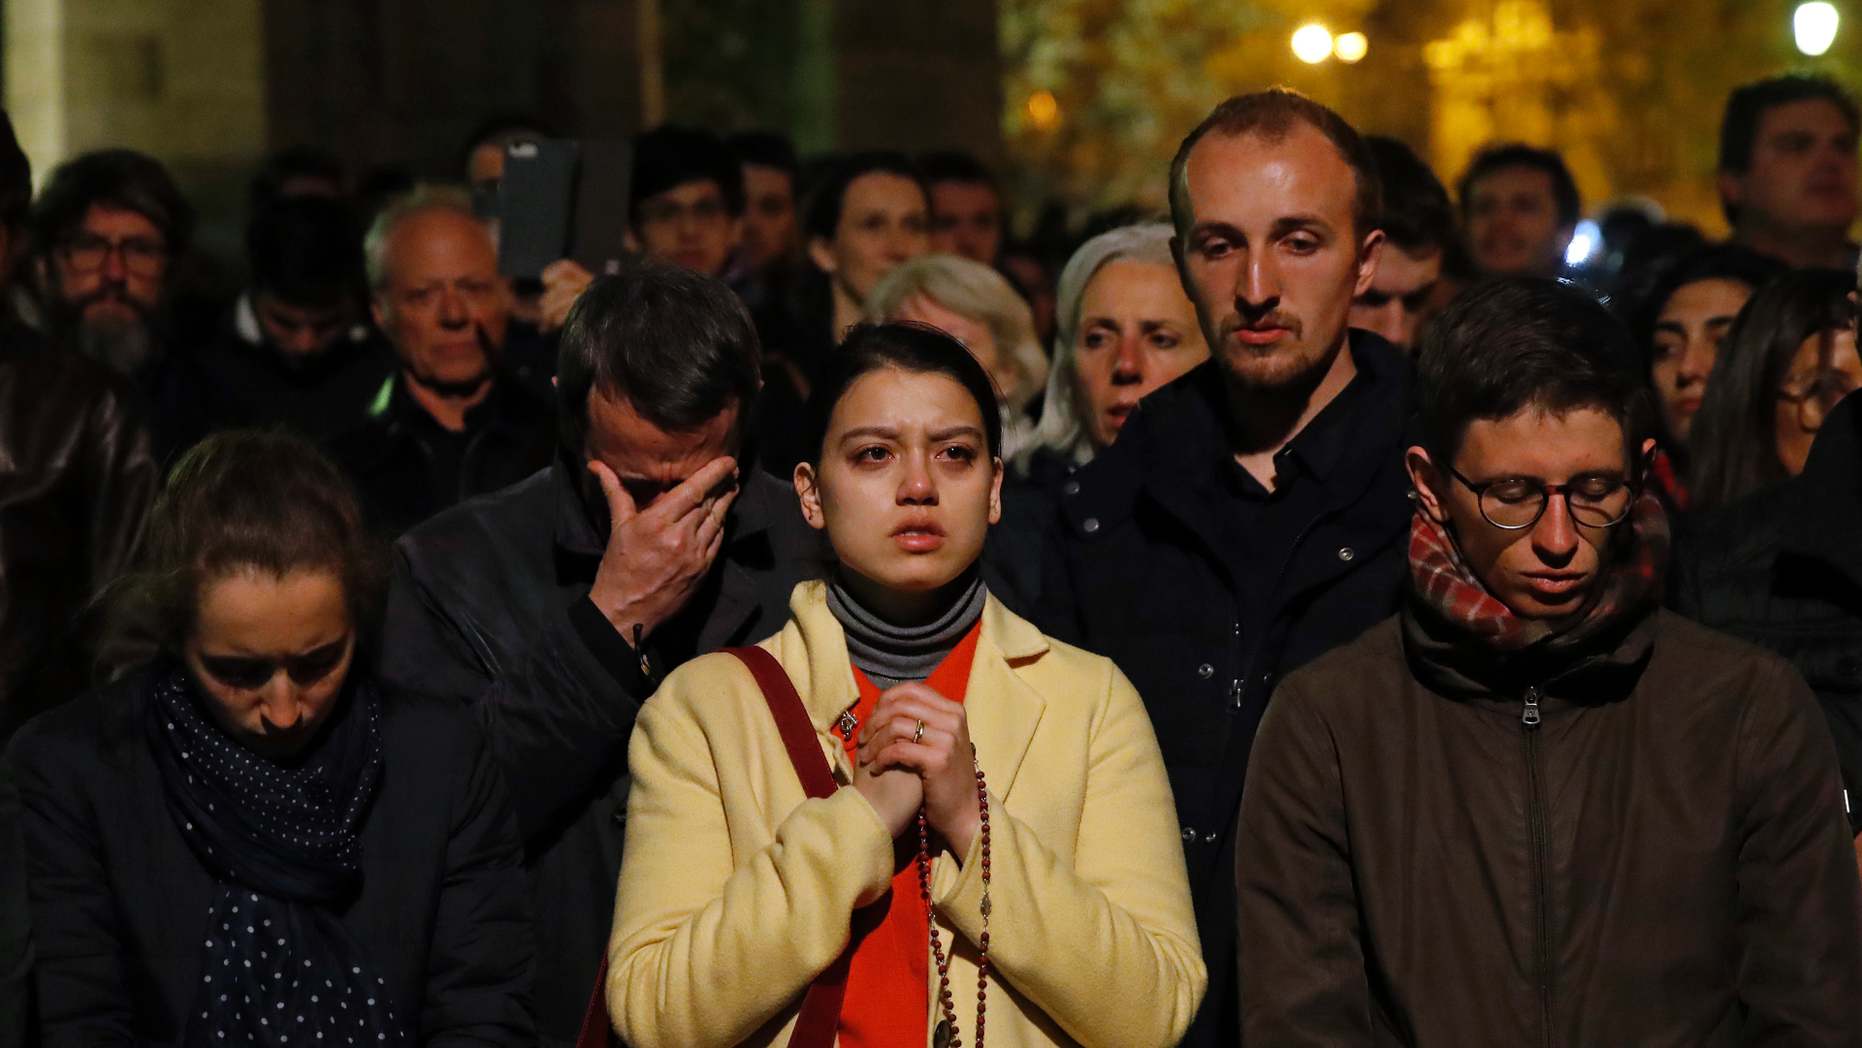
{"x": 1462, "y": 640}
{"x": 891, "y": 653}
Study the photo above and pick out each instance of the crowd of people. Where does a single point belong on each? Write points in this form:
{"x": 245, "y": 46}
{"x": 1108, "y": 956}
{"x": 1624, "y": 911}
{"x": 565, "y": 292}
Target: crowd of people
{"x": 1326, "y": 612}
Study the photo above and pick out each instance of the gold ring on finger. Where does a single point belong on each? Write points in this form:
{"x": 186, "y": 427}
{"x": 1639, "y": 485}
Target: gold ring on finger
{"x": 919, "y": 735}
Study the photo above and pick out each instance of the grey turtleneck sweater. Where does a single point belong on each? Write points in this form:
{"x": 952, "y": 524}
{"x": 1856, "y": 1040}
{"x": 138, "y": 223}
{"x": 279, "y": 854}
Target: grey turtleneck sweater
{"x": 891, "y": 655}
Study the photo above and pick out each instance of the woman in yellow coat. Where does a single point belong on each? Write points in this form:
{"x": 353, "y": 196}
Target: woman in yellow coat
{"x": 1004, "y": 783}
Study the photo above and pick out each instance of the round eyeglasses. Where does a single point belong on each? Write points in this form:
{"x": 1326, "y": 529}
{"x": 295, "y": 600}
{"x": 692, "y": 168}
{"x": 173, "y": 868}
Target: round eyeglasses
{"x": 1517, "y": 503}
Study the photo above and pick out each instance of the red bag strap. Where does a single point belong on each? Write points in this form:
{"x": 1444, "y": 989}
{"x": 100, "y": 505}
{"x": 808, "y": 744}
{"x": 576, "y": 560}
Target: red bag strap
{"x": 798, "y": 731}
{"x": 596, "y": 1022}
{"x": 819, "y": 1021}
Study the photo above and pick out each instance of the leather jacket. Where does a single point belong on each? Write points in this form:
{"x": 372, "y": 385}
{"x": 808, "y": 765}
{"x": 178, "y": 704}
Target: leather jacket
{"x": 77, "y": 477}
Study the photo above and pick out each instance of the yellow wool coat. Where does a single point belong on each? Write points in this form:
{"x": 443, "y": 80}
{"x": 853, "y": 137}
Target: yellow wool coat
{"x": 737, "y": 889}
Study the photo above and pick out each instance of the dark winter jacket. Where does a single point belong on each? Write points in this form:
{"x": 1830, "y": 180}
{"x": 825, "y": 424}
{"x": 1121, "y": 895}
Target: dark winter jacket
{"x": 399, "y": 461}
{"x": 1644, "y": 845}
{"x": 489, "y": 605}
{"x": 317, "y": 398}
{"x": 15, "y": 923}
{"x": 1140, "y": 570}
{"x": 1782, "y": 568}
{"x": 120, "y": 901}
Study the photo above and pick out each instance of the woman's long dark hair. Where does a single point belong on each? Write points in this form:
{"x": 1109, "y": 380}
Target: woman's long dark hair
{"x": 1643, "y": 307}
{"x": 1734, "y": 436}
{"x": 244, "y": 499}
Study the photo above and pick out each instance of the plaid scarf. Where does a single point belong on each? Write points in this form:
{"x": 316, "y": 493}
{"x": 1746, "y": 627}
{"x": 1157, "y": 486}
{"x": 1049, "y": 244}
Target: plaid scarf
{"x": 1442, "y": 580}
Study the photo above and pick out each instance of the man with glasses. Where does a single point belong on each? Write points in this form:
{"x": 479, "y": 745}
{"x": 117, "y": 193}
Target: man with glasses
{"x": 79, "y": 476}
{"x": 1534, "y": 808}
{"x": 111, "y": 232}
{"x": 686, "y": 200}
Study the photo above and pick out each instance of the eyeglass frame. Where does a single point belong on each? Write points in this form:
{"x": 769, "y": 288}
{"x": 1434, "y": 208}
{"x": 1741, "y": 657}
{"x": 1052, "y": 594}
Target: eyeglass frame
{"x": 69, "y": 246}
{"x": 1634, "y": 488}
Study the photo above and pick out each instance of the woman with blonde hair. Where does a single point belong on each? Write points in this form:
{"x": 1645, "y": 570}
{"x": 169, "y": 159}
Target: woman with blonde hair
{"x": 980, "y": 308}
{"x": 909, "y": 818}
{"x": 1125, "y": 328}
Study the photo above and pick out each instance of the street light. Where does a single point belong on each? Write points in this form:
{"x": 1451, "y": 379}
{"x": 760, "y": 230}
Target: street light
{"x": 1349, "y": 47}
{"x": 1815, "y": 27}
{"x": 1312, "y": 44}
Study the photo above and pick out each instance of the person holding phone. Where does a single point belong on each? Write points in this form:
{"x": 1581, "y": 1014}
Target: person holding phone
{"x": 987, "y": 843}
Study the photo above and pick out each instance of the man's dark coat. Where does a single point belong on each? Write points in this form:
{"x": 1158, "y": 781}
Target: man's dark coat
{"x": 490, "y": 605}
{"x": 1137, "y": 570}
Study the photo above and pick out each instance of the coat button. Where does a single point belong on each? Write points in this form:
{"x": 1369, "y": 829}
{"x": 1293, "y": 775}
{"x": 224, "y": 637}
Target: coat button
{"x": 1189, "y": 834}
{"x": 1205, "y": 671}
{"x": 1089, "y": 525}
{"x": 1071, "y": 487}
{"x": 1209, "y": 838}
{"x": 1345, "y": 554}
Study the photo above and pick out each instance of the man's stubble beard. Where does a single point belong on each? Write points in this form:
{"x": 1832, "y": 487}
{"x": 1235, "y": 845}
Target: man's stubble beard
{"x": 1291, "y": 364}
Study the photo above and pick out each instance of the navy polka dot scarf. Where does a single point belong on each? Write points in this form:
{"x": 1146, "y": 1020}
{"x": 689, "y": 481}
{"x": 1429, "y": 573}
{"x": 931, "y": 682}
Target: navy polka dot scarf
{"x": 277, "y": 967}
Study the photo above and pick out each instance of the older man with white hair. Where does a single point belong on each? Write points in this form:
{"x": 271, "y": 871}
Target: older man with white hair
{"x": 448, "y": 424}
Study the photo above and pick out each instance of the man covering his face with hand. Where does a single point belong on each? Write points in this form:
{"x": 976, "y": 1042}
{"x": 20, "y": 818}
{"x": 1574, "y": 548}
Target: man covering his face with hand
{"x": 557, "y": 605}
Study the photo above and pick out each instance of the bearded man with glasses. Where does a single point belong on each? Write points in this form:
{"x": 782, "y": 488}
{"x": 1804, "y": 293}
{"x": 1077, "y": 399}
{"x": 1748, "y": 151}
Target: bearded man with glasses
{"x": 1534, "y": 808}
{"x": 110, "y": 235}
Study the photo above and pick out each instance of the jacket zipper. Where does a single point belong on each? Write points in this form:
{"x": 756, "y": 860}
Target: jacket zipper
{"x": 1535, "y": 814}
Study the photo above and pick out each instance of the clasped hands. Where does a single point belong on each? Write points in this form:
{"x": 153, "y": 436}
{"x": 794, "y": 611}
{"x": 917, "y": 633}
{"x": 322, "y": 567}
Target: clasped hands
{"x": 897, "y": 768}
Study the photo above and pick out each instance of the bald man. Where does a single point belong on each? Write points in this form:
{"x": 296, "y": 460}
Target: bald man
{"x": 447, "y": 425}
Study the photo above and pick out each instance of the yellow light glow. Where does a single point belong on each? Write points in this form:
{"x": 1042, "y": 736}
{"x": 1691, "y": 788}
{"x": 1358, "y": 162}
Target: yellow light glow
{"x": 1312, "y": 44}
{"x": 1043, "y": 109}
{"x": 1814, "y": 25}
{"x": 1349, "y": 47}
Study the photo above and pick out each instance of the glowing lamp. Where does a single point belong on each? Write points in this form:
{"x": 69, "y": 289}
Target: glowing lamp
{"x": 1815, "y": 27}
{"x": 1584, "y": 243}
{"x": 1349, "y": 47}
{"x": 1312, "y": 44}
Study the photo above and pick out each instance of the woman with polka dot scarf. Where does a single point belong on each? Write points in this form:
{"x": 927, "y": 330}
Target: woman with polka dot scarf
{"x": 246, "y": 838}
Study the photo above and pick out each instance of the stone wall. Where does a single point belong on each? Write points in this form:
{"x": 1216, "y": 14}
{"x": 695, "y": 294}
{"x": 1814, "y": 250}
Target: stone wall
{"x": 179, "y": 79}
{"x": 208, "y": 86}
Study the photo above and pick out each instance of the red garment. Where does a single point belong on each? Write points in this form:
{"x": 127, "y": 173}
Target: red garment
{"x": 1442, "y": 579}
{"x": 1662, "y": 470}
{"x": 888, "y": 982}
